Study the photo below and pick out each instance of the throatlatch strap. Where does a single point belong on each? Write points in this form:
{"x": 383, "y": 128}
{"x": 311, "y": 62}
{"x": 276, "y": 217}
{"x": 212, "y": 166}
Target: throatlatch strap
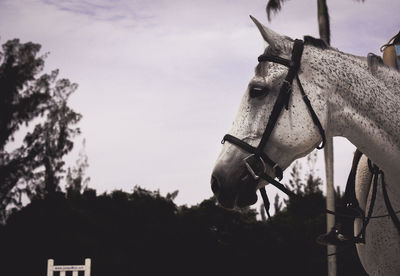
{"x": 314, "y": 116}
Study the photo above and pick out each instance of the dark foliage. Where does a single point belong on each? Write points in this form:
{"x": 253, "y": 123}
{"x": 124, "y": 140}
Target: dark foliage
{"x": 143, "y": 233}
{"x": 35, "y": 167}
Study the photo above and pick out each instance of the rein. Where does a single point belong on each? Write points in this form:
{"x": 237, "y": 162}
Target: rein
{"x": 257, "y": 160}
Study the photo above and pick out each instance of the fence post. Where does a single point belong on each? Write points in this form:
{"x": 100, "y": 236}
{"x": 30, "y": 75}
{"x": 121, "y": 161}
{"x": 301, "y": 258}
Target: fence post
{"x": 330, "y": 201}
{"x": 50, "y": 264}
{"x": 87, "y": 267}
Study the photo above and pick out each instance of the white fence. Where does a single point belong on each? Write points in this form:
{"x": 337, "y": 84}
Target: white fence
{"x": 64, "y": 268}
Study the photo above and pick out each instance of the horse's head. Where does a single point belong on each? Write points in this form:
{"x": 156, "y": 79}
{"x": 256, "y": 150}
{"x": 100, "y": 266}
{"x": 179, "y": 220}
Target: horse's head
{"x": 250, "y": 150}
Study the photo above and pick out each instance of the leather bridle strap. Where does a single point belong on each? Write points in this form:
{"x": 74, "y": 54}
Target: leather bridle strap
{"x": 248, "y": 148}
{"x": 278, "y": 185}
{"x": 286, "y": 90}
{"x": 275, "y": 59}
{"x": 314, "y": 116}
{"x": 389, "y": 207}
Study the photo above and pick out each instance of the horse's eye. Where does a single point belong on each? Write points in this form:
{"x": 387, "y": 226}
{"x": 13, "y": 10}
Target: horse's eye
{"x": 258, "y": 91}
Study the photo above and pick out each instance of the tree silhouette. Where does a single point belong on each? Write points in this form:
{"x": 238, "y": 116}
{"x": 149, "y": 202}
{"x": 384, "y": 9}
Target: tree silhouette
{"x": 144, "y": 233}
{"x": 33, "y": 168}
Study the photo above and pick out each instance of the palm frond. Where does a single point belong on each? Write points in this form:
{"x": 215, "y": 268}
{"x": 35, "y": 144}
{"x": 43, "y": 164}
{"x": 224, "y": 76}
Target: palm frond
{"x": 273, "y": 6}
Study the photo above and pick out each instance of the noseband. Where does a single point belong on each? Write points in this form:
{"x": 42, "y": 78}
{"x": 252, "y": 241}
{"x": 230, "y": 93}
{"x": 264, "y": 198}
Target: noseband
{"x": 257, "y": 160}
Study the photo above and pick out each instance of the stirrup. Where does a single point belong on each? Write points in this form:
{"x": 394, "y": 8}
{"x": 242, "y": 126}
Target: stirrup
{"x": 334, "y": 237}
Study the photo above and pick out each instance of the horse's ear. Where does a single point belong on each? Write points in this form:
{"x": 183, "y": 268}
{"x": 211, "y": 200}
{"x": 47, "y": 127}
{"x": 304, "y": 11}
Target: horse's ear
{"x": 273, "y": 39}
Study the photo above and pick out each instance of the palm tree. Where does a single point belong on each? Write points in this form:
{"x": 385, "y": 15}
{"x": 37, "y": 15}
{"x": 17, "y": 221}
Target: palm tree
{"x": 323, "y": 21}
{"x": 323, "y": 16}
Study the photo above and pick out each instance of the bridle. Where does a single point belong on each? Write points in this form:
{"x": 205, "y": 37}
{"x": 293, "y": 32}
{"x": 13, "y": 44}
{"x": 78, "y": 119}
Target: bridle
{"x": 257, "y": 160}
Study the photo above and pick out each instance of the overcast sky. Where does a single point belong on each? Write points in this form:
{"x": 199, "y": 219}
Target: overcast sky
{"x": 160, "y": 81}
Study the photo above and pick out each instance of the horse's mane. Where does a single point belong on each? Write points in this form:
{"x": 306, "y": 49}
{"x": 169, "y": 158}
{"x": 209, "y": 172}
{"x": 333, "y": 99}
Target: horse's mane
{"x": 316, "y": 42}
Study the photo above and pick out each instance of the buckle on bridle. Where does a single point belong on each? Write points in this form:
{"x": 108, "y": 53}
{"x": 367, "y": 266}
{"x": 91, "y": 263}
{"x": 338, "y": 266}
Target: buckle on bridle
{"x": 255, "y": 165}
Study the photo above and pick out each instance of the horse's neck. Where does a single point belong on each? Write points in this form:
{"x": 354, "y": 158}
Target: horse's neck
{"x": 365, "y": 109}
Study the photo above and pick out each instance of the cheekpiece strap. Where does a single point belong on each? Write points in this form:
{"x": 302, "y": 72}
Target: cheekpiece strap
{"x": 285, "y": 91}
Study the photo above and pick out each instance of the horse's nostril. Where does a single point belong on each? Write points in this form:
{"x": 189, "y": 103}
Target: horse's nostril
{"x": 215, "y": 185}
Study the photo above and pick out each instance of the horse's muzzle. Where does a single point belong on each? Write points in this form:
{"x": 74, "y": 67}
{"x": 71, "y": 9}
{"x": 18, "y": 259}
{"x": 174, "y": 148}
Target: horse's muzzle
{"x": 230, "y": 194}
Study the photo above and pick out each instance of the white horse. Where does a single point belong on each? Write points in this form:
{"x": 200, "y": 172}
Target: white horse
{"x": 350, "y": 101}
